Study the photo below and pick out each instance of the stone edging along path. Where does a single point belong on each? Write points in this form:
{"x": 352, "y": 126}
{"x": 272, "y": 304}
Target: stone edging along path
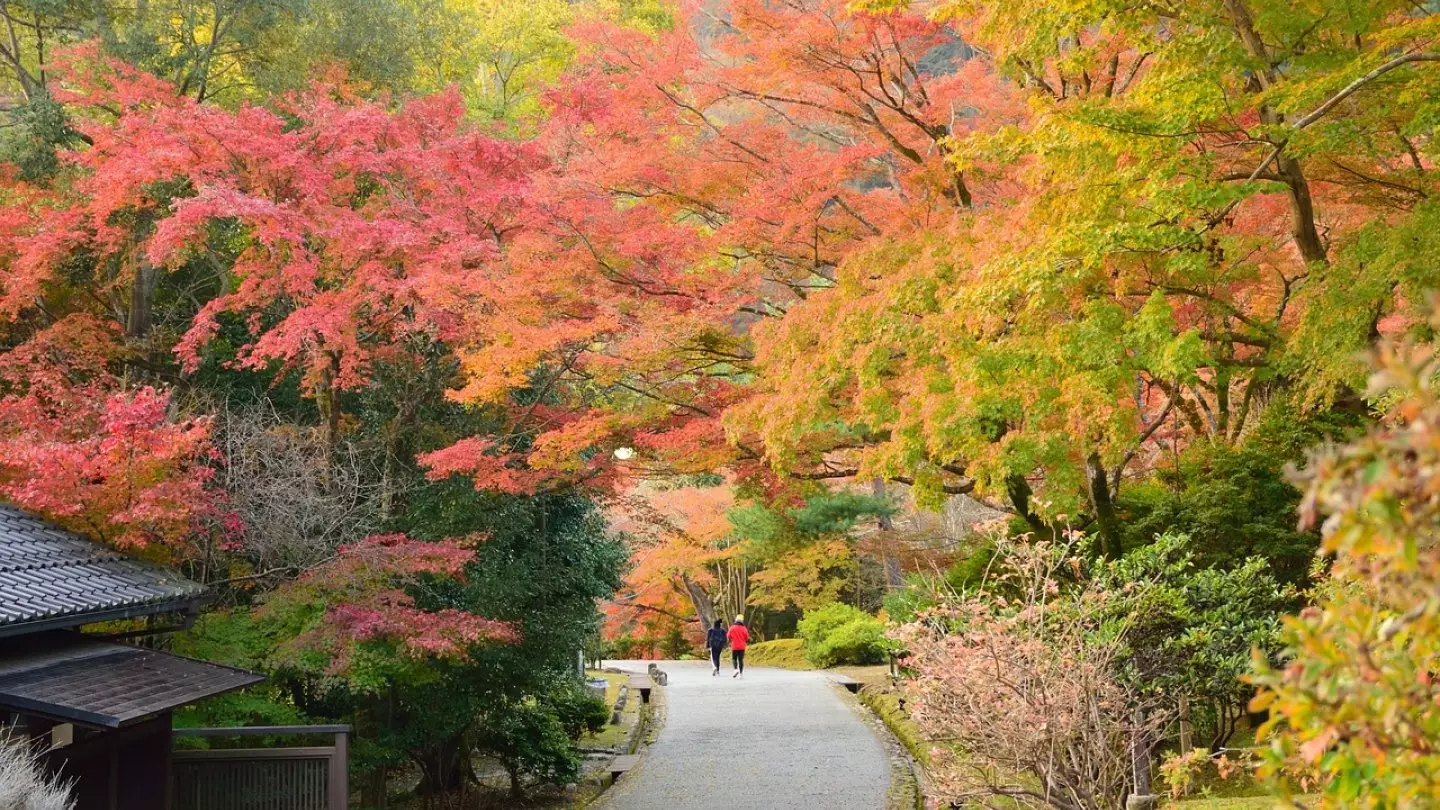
{"x": 776, "y": 739}
{"x": 907, "y": 786}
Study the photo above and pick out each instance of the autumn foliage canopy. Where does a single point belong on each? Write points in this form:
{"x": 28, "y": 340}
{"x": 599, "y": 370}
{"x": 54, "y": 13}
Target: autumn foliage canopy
{"x": 1017, "y": 250}
{"x": 928, "y": 244}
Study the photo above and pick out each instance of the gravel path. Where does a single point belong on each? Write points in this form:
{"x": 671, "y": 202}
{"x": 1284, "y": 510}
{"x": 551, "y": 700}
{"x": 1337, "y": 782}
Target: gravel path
{"x": 774, "y": 740}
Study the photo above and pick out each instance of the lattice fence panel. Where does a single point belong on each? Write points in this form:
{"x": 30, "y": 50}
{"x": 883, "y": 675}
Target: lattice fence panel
{"x": 243, "y": 781}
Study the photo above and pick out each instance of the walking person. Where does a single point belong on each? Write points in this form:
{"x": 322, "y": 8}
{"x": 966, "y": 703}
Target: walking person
{"x": 739, "y": 639}
{"x": 715, "y": 642}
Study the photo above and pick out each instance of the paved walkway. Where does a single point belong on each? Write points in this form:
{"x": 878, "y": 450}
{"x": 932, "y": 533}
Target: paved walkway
{"x": 774, "y": 740}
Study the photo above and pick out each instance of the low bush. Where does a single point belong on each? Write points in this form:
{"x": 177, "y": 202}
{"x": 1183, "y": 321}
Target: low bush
{"x": 579, "y": 711}
{"x": 840, "y": 634}
{"x": 536, "y": 739}
{"x": 628, "y": 648}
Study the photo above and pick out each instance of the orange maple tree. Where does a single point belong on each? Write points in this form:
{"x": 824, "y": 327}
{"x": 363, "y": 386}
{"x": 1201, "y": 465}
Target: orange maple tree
{"x": 702, "y": 180}
{"x": 681, "y": 551}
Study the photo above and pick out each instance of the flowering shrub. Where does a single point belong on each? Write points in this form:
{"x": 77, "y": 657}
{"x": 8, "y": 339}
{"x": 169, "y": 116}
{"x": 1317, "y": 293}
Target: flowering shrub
{"x": 1017, "y": 686}
{"x": 1180, "y": 771}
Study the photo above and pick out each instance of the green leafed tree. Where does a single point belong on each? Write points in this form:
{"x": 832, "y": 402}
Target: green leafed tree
{"x": 1178, "y": 214}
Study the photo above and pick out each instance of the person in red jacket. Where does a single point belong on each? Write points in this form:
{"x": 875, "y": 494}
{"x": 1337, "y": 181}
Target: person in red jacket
{"x": 739, "y": 638}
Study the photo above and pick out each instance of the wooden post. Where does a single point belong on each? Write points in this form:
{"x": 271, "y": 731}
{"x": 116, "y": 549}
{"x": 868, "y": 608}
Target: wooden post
{"x": 168, "y": 741}
{"x": 1187, "y": 731}
{"x": 340, "y": 772}
{"x": 1141, "y": 798}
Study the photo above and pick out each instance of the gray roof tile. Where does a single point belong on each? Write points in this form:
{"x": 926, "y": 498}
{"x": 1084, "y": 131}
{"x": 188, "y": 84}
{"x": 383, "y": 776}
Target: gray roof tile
{"x": 69, "y": 677}
{"x": 50, "y": 577}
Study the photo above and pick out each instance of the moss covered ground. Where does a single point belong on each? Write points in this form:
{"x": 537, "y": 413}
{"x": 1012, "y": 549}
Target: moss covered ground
{"x": 785, "y": 653}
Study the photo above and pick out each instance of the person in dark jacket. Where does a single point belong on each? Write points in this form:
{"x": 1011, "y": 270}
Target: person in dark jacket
{"x": 715, "y": 642}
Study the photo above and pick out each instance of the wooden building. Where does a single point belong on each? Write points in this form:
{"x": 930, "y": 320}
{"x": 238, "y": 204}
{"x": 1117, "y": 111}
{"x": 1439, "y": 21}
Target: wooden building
{"x": 99, "y": 708}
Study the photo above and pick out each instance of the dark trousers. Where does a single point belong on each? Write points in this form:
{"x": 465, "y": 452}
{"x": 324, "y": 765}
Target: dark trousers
{"x": 737, "y": 659}
{"x": 715, "y": 656}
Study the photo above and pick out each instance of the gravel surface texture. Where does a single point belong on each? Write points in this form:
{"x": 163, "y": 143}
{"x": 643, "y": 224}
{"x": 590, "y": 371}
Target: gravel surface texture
{"x": 774, "y": 740}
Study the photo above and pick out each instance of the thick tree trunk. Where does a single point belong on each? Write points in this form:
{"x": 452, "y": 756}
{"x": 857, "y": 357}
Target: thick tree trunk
{"x": 142, "y": 300}
{"x": 444, "y": 768}
{"x": 1019, "y": 492}
{"x": 1302, "y": 211}
{"x": 704, "y": 605}
{"x": 1107, "y": 521}
{"x": 894, "y": 578}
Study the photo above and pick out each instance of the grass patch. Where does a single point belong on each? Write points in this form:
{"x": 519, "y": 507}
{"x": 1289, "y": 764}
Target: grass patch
{"x": 612, "y": 736}
{"x": 885, "y": 703}
{"x": 1228, "y": 803}
{"x": 785, "y": 653}
{"x": 877, "y": 676}
{"x": 613, "y": 681}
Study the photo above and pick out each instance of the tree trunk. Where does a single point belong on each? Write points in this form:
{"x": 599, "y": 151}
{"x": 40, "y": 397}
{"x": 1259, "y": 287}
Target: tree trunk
{"x": 374, "y": 787}
{"x": 327, "y": 399}
{"x": 444, "y": 768}
{"x": 517, "y": 790}
{"x": 390, "y": 470}
{"x": 374, "y": 792}
{"x": 1019, "y": 492}
{"x": 142, "y": 300}
{"x": 894, "y": 578}
{"x": 1302, "y": 211}
{"x": 733, "y": 576}
{"x": 704, "y": 605}
{"x": 1226, "y": 719}
{"x": 1107, "y": 522}
{"x": 1141, "y": 798}
{"x": 1302, "y": 207}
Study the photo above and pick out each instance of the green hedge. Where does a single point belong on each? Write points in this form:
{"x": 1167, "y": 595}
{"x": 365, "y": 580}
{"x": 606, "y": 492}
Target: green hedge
{"x": 841, "y": 634}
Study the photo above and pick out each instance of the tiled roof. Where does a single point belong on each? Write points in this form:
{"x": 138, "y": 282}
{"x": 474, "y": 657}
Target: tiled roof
{"x": 51, "y": 577}
{"x": 72, "y": 678}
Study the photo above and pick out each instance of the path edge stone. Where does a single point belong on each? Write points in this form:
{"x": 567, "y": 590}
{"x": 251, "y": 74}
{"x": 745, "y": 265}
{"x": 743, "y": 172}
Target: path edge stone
{"x": 907, "y": 791}
{"x": 647, "y": 728}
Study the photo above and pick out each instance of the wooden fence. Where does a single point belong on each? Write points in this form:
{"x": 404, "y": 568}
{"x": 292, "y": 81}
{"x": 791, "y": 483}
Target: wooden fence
{"x": 298, "y": 778}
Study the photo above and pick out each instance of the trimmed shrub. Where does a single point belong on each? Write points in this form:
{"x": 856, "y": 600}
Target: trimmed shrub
{"x": 840, "y": 634}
